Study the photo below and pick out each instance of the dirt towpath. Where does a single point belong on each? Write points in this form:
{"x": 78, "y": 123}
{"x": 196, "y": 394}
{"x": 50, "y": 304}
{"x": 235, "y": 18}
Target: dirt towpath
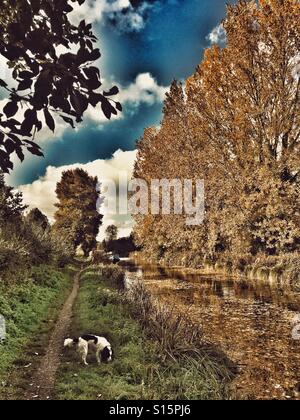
{"x": 44, "y": 378}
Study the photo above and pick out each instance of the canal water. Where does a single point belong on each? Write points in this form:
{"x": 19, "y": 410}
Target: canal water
{"x": 255, "y": 324}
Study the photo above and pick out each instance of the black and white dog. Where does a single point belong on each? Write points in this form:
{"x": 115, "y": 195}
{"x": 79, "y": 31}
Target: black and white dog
{"x": 99, "y": 345}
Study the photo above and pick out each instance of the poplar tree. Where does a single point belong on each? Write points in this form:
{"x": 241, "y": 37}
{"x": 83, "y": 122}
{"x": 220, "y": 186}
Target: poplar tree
{"x": 77, "y": 217}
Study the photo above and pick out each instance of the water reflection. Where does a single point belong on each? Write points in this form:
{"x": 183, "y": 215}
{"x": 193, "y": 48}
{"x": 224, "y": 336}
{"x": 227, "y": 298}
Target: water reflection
{"x": 251, "y": 322}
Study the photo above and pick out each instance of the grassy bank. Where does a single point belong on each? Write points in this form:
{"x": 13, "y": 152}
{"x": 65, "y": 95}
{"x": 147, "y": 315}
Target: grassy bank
{"x": 143, "y": 367}
{"x": 30, "y": 309}
{"x": 276, "y": 270}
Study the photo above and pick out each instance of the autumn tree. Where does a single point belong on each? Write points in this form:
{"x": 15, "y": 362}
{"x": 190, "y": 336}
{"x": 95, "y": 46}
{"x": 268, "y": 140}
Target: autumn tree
{"x": 51, "y": 64}
{"x": 237, "y": 127}
{"x": 244, "y": 103}
{"x": 77, "y": 217}
{"x": 169, "y": 153}
{"x": 111, "y": 238}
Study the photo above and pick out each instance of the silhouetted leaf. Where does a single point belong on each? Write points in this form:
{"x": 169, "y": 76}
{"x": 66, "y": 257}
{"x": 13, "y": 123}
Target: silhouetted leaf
{"x": 95, "y": 55}
{"x": 49, "y": 120}
{"x": 9, "y": 146}
{"x": 29, "y": 121}
{"x": 19, "y": 153}
{"x": 79, "y": 102}
{"x": 25, "y": 84}
{"x": 113, "y": 91}
{"x": 93, "y": 76}
{"x": 3, "y": 83}
{"x": 68, "y": 120}
{"x": 35, "y": 151}
{"x": 45, "y": 78}
{"x": 10, "y": 109}
{"x": 108, "y": 109}
{"x": 95, "y": 98}
{"x": 119, "y": 106}
{"x": 26, "y": 74}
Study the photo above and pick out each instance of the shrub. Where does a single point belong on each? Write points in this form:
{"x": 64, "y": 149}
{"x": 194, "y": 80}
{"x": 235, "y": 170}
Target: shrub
{"x": 14, "y": 257}
{"x": 62, "y": 249}
{"x": 27, "y": 245}
{"x": 115, "y": 276}
{"x": 104, "y": 297}
{"x": 46, "y": 276}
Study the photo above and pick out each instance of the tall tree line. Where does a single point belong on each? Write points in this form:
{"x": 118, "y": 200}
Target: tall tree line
{"x": 236, "y": 125}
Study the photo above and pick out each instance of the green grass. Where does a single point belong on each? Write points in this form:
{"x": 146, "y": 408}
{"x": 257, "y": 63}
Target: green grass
{"x": 140, "y": 369}
{"x": 29, "y": 308}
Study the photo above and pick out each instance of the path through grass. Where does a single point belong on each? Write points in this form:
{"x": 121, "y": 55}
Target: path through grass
{"x": 139, "y": 370}
{"x": 31, "y": 311}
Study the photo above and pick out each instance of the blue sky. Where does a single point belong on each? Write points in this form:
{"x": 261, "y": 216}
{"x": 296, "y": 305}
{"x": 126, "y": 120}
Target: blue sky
{"x": 145, "y": 45}
{"x": 163, "y": 38}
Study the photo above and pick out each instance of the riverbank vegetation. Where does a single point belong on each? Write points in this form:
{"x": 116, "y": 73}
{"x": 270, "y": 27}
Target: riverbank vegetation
{"x": 155, "y": 355}
{"x": 26, "y": 239}
{"x": 234, "y": 124}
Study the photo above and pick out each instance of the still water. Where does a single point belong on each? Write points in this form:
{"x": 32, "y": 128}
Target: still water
{"x": 252, "y": 323}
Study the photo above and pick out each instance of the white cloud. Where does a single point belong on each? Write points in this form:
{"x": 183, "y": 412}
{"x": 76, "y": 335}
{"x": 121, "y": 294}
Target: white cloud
{"x": 217, "y": 35}
{"x": 41, "y": 193}
{"x": 93, "y": 10}
{"x": 124, "y": 224}
{"x": 127, "y": 18}
{"x": 131, "y": 22}
{"x": 144, "y": 89}
{"x": 6, "y": 75}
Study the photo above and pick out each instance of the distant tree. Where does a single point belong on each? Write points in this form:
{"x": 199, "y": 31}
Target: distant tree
{"x": 111, "y": 233}
{"x": 11, "y": 203}
{"x": 36, "y": 217}
{"x": 50, "y": 81}
{"x": 123, "y": 246}
{"x": 77, "y": 218}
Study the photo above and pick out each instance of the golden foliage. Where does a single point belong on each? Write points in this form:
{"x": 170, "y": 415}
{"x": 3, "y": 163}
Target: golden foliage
{"x": 237, "y": 127}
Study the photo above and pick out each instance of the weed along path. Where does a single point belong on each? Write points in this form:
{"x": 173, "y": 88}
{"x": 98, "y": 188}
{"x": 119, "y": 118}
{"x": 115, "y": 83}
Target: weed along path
{"x": 42, "y": 383}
